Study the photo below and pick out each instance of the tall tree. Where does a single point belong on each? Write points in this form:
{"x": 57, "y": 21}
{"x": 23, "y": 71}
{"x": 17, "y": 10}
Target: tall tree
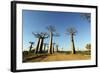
{"x": 57, "y": 47}
{"x": 72, "y": 32}
{"x": 42, "y": 37}
{"x": 51, "y": 29}
{"x": 56, "y": 35}
{"x": 38, "y": 36}
{"x": 86, "y": 16}
{"x": 88, "y": 47}
{"x": 31, "y": 43}
{"x": 53, "y": 47}
{"x": 45, "y": 44}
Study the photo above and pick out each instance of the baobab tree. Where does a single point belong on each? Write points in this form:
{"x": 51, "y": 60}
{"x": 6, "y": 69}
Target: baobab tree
{"x": 72, "y": 32}
{"x": 53, "y": 46}
{"x": 37, "y": 35}
{"x": 56, "y": 35}
{"x": 42, "y": 37}
{"x": 57, "y": 47}
{"x": 51, "y": 29}
{"x": 86, "y": 16}
{"x": 31, "y": 46}
{"x": 45, "y": 44}
{"x": 88, "y": 47}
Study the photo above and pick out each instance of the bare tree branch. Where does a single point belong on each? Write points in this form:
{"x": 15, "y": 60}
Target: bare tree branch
{"x": 51, "y": 28}
{"x": 86, "y": 16}
{"x": 71, "y": 31}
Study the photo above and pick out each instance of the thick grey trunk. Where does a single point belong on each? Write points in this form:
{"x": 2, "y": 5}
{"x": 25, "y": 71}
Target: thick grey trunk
{"x": 44, "y": 47}
{"x": 50, "y": 44}
{"x": 53, "y": 48}
{"x": 72, "y": 45}
{"x": 41, "y": 46}
{"x": 30, "y": 48}
{"x": 56, "y": 45}
{"x": 37, "y": 46}
{"x": 57, "y": 48}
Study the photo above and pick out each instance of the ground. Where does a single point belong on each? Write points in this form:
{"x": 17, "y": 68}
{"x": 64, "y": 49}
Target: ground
{"x": 58, "y": 57}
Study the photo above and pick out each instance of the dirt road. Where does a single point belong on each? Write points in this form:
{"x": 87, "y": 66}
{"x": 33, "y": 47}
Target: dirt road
{"x": 60, "y": 57}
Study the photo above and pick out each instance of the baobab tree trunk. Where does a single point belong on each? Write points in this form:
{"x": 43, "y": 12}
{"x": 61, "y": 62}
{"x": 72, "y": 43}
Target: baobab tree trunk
{"x": 37, "y": 47}
{"x": 72, "y": 44}
{"x": 30, "y": 48}
{"x": 48, "y": 48}
{"x": 57, "y": 48}
{"x": 41, "y": 46}
{"x": 53, "y": 48}
{"x": 44, "y": 47}
{"x": 50, "y": 44}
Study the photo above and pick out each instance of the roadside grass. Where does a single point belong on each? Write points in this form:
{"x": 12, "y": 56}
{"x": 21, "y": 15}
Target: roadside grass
{"x": 31, "y": 55}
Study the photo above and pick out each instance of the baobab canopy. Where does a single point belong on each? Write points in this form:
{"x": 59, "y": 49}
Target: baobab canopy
{"x": 71, "y": 30}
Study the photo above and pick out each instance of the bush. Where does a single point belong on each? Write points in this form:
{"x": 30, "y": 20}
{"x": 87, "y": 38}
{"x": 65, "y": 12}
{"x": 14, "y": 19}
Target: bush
{"x": 25, "y": 53}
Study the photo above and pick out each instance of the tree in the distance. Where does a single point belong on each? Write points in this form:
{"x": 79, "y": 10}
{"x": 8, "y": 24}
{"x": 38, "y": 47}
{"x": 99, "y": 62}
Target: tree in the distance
{"x": 56, "y": 35}
{"x": 31, "y": 46}
{"x": 43, "y": 35}
{"x": 86, "y": 16}
{"x": 88, "y": 47}
{"x": 51, "y": 29}
{"x": 37, "y": 35}
{"x": 45, "y": 44}
{"x": 72, "y": 32}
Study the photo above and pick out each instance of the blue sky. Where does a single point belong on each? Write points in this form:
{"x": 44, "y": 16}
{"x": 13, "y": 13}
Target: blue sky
{"x": 37, "y": 21}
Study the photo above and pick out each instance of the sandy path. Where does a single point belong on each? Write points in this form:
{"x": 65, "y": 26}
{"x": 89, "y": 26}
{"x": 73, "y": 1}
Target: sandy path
{"x": 61, "y": 57}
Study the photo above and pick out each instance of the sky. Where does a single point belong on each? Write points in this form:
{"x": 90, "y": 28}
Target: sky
{"x": 37, "y": 21}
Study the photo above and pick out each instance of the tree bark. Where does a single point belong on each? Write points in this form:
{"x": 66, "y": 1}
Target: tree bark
{"x": 53, "y": 48}
{"x": 37, "y": 47}
{"x": 44, "y": 47}
{"x": 41, "y": 46}
{"x": 50, "y": 44}
{"x": 57, "y": 48}
{"x": 72, "y": 45}
{"x": 30, "y": 48}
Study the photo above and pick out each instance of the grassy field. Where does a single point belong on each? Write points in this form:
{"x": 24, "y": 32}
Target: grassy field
{"x": 58, "y": 56}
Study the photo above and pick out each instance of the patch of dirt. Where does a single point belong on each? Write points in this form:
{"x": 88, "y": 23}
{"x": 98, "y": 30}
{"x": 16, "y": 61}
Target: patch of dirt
{"x": 60, "y": 57}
